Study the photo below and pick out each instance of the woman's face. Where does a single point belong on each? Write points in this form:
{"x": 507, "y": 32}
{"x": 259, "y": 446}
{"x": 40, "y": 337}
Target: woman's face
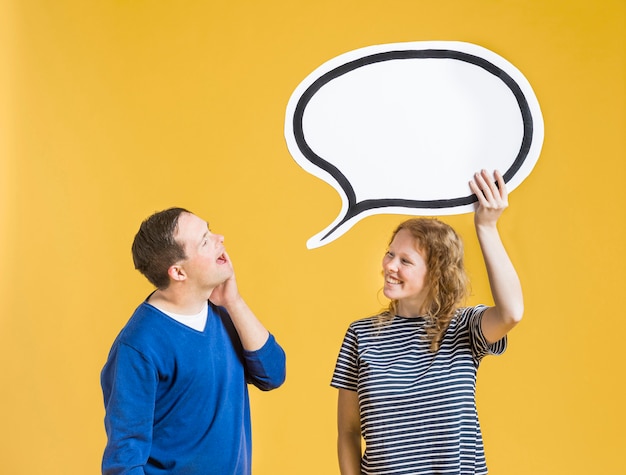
{"x": 404, "y": 270}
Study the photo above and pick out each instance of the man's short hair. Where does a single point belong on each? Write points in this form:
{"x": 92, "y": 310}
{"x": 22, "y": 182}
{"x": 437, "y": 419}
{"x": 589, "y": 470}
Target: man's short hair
{"x": 155, "y": 248}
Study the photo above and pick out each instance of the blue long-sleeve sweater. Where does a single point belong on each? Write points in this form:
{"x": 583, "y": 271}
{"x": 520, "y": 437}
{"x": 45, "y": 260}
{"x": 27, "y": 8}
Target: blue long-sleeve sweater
{"x": 176, "y": 399}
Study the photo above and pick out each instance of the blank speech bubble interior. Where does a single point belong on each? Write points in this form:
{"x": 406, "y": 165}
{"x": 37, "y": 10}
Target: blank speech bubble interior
{"x": 401, "y": 128}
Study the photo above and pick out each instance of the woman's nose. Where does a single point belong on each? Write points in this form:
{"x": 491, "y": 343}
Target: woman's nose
{"x": 390, "y": 265}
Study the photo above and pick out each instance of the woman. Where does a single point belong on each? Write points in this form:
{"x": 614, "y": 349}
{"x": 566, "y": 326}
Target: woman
{"x": 407, "y": 377}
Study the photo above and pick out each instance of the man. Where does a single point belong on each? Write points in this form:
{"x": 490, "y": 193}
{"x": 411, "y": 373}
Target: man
{"x": 175, "y": 382}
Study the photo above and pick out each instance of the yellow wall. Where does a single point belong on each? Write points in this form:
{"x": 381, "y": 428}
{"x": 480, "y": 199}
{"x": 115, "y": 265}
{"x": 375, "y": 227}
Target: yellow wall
{"x": 111, "y": 110}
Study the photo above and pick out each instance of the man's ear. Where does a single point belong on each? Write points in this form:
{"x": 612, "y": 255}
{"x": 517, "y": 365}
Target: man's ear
{"x": 177, "y": 273}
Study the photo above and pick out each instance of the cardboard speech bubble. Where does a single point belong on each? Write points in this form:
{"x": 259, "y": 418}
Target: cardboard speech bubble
{"x": 401, "y": 128}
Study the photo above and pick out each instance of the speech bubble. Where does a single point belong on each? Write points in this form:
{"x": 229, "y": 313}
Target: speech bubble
{"x": 401, "y": 128}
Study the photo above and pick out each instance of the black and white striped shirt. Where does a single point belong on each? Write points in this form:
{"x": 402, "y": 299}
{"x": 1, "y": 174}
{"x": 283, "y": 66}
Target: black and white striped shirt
{"x": 418, "y": 408}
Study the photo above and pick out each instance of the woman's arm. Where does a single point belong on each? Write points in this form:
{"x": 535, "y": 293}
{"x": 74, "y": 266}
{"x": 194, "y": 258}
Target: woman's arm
{"x": 505, "y": 285}
{"x": 349, "y": 433}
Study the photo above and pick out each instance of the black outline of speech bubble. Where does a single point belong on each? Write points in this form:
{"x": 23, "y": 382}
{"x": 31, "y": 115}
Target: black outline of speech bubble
{"x": 355, "y": 208}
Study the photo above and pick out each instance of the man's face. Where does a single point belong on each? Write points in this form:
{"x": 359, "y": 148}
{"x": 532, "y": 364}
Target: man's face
{"x": 207, "y": 264}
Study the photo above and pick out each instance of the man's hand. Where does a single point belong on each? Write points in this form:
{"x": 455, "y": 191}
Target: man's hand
{"x": 227, "y": 293}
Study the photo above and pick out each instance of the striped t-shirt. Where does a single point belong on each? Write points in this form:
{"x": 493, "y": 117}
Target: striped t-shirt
{"x": 418, "y": 408}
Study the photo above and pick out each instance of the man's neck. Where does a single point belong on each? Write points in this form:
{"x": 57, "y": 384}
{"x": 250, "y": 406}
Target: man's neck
{"x": 176, "y": 302}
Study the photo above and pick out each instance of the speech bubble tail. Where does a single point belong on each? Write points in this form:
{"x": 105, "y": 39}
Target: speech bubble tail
{"x": 327, "y": 236}
{"x": 361, "y": 210}
{"x": 337, "y": 229}
{"x": 320, "y": 241}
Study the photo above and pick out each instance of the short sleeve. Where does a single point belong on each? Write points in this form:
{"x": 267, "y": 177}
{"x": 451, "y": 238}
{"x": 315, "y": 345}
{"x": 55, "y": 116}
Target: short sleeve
{"x": 345, "y": 375}
{"x": 480, "y": 346}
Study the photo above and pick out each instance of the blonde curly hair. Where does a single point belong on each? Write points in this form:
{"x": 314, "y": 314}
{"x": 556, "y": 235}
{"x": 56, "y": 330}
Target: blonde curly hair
{"x": 446, "y": 280}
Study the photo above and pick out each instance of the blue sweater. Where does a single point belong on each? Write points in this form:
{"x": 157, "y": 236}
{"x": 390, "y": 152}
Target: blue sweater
{"x": 176, "y": 399}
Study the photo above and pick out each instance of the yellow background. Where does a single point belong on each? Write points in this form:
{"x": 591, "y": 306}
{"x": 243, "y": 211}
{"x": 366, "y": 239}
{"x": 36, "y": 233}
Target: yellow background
{"x": 111, "y": 110}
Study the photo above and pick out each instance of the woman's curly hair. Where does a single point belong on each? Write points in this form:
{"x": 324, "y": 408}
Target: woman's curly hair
{"x": 446, "y": 281}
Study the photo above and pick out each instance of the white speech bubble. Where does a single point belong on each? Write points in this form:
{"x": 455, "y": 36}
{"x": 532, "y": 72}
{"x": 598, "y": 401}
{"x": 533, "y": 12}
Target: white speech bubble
{"x": 401, "y": 128}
